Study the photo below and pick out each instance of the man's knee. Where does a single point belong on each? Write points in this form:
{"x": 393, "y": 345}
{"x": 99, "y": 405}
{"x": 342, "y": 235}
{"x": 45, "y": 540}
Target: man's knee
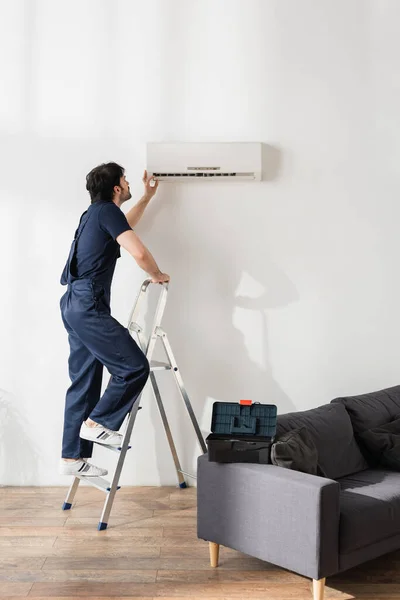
{"x": 140, "y": 372}
{"x": 146, "y": 368}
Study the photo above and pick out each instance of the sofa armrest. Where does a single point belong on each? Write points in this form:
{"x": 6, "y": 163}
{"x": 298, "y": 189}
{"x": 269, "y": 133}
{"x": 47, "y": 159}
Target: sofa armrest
{"x": 284, "y": 517}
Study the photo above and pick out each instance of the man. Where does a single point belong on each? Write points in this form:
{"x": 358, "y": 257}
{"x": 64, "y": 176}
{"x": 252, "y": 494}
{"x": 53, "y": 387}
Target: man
{"x": 94, "y": 336}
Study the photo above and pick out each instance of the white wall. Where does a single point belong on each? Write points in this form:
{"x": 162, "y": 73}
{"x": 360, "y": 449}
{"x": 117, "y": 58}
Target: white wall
{"x": 284, "y": 291}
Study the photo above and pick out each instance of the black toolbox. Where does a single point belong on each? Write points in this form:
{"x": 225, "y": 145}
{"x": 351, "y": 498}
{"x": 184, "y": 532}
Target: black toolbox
{"x": 242, "y": 432}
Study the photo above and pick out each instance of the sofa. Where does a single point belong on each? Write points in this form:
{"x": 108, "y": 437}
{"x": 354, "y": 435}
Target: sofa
{"x": 316, "y": 526}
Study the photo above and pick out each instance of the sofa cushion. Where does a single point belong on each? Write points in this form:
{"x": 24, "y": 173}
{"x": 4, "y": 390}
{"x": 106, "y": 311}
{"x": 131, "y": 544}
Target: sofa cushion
{"x": 330, "y": 428}
{"x": 369, "y": 508}
{"x": 368, "y": 411}
{"x": 296, "y": 450}
{"x": 371, "y": 410}
{"x": 383, "y": 444}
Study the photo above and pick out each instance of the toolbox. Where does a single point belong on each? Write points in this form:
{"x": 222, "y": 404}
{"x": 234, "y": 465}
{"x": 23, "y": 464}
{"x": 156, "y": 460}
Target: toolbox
{"x": 242, "y": 432}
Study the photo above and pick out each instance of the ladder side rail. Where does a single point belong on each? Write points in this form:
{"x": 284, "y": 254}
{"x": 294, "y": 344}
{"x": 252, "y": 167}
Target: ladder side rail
{"x": 157, "y": 395}
{"x": 182, "y": 390}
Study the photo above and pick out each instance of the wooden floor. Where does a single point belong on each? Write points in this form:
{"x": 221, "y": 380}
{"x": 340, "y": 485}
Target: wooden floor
{"x": 150, "y": 550}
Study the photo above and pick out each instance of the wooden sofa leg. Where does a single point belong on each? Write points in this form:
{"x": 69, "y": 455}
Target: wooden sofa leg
{"x": 214, "y": 554}
{"x": 318, "y": 589}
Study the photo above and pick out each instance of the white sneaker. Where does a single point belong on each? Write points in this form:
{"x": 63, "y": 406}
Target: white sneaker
{"x": 81, "y": 467}
{"x": 101, "y": 435}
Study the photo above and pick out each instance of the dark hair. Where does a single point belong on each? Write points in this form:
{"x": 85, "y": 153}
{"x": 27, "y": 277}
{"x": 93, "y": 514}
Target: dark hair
{"x": 101, "y": 180}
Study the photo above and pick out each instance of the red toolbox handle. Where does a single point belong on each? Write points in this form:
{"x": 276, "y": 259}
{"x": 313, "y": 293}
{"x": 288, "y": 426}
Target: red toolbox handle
{"x": 246, "y": 402}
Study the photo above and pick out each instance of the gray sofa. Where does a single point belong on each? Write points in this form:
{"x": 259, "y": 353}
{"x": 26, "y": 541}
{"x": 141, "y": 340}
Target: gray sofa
{"x": 314, "y": 526}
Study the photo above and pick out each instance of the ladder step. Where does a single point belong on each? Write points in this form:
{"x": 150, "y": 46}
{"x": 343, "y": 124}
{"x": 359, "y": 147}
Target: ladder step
{"x": 98, "y": 482}
{"x": 156, "y": 365}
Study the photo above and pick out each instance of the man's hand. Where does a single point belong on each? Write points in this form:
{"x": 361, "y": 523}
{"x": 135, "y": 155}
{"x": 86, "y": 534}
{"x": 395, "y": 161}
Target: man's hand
{"x": 161, "y": 278}
{"x": 149, "y": 190}
{"x": 136, "y": 212}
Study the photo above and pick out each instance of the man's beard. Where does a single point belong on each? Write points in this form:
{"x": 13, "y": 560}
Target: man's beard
{"x": 127, "y": 196}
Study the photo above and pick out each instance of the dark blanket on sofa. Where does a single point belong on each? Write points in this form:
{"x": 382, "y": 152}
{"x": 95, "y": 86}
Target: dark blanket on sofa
{"x": 296, "y": 450}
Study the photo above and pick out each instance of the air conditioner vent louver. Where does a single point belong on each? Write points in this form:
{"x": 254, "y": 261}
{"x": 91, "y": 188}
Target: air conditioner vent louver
{"x": 203, "y": 174}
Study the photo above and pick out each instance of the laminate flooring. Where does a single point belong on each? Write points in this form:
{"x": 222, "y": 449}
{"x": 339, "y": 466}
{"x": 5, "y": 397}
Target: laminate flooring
{"x": 150, "y": 550}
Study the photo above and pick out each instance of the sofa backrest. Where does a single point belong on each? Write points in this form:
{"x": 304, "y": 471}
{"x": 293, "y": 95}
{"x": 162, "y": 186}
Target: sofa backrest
{"x": 331, "y": 429}
{"x": 367, "y": 411}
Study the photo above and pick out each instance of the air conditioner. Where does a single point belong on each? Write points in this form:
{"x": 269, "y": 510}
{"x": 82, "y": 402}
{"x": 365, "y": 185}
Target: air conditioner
{"x": 185, "y": 161}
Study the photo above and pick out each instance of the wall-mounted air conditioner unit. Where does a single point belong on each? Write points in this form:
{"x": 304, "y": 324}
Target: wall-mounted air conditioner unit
{"x": 185, "y": 161}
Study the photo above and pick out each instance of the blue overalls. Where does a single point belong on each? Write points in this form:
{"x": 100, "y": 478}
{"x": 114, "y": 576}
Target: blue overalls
{"x": 96, "y": 339}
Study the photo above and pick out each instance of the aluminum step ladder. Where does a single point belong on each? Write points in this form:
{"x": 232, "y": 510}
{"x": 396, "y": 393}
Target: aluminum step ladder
{"x": 156, "y": 333}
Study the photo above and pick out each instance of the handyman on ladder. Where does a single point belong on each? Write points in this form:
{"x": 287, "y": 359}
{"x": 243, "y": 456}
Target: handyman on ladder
{"x": 95, "y": 337}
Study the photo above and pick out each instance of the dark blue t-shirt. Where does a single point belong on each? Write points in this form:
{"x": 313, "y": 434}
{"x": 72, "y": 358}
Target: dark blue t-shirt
{"x": 97, "y": 251}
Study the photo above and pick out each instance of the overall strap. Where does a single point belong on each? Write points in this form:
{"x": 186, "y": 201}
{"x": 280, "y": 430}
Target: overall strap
{"x": 67, "y": 276}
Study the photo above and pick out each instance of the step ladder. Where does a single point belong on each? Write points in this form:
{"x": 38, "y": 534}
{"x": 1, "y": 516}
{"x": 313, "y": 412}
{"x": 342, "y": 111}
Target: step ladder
{"x": 156, "y": 333}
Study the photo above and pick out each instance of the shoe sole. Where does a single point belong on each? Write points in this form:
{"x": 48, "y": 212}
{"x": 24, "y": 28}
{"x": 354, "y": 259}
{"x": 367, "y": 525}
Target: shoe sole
{"x": 101, "y": 442}
{"x": 76, "y": 475}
